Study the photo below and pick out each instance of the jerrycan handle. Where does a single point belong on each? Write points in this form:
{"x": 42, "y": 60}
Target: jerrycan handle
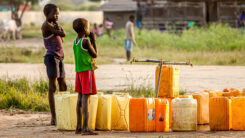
{"x": 119, "y": 93}
{"x": 61, "y": 93}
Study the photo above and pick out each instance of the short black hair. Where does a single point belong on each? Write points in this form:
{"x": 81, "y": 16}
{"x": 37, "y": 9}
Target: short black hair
{"x": 79, "y": 25}
{"x": 49, "y": 8}
{"x": 131, "y": 17}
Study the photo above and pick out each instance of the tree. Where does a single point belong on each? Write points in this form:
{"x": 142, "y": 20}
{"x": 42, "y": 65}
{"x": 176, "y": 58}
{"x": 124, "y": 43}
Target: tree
{"x": 16, "y": 14}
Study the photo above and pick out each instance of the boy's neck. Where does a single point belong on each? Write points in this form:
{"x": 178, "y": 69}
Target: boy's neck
{"x": 81, "y": 35}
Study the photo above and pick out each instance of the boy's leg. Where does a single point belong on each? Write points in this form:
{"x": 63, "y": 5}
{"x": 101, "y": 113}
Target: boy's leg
{"x": 61, "y": 78}
{"x": 85, "y": 102}
{"x": 62, "y": 84}
{"x": 79, "y": 115}
{"x": 52, "y": 90}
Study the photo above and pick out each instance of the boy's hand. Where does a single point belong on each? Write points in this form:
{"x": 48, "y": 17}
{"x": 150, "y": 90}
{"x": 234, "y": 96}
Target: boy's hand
{"x": 92, "y": 36}
{"x": 134, "y": 42}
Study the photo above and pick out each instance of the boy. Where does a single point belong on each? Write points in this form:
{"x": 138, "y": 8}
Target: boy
{"x": 53, "y": 37}
{"x": 129, "y": 38}
{"x": 84, "y": 52}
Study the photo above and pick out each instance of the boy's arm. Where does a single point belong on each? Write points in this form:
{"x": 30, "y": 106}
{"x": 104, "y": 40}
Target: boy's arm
{"x": 92, "y": 37}
{"x": 51, "y": 28}
{"x": 132, "y": 33}
{"x": 87, "y": 45}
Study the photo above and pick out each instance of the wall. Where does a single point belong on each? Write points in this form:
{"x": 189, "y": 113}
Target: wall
{"x": 37, "y": 17}
{"x": 119, "y": 18}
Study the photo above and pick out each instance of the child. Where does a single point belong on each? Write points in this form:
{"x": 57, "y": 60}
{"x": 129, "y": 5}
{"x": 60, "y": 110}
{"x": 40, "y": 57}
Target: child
{"x": 84, "y": 52}
{"x": 53, "y": 37}
{"x": 129, "y": 38}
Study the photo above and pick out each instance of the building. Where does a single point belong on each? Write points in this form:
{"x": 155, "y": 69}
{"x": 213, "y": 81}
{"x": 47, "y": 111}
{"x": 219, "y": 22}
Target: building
{"x": 118, "y": 11}
{"x": 178, "y": 13}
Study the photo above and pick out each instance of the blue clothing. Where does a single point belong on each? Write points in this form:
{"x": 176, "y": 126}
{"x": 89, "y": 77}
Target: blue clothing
{"x": 128, "y": 45}
{"x": 138, "y": 24}
{"x": 241, "y": 20}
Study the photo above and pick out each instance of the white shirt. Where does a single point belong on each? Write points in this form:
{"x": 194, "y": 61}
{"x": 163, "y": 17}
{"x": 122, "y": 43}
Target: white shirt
{"x": 129, "y": 31}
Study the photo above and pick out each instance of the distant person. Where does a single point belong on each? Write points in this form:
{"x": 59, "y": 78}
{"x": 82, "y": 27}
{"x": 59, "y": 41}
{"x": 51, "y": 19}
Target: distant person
{"x": 139, "y": 17}
{"x": 95, "y": 29}
{"x": 129, "y": 38}
{"x": 108, "y": 26}
{"x": 84, "y": 52}
{"x": 191, "y": 24}
{"x": 241, "y": 20}
{"x": 100, "y": 30}
{"x": 53, "y": 37}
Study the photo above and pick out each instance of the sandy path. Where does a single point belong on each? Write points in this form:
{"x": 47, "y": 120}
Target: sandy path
{"x": 118, "y": 77}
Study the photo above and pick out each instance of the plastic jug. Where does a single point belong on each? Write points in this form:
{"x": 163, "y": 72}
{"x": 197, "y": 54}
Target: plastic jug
{"x": 142, "y": 115}
{"x": 202, "y": 107}
{"x": 169, "y": 82}
{"x": 238, "y": 113}
{"x": 184, "y": 114}
{"x": 170, "y": 111}
{"x": 220, "y": 113}
{"x": 65, "y": 108}
{"x": 162, "y": 115}
{"x": 103, "y": 120}
{"x": 120, "y": 111}
{"x": 93, "y": 105}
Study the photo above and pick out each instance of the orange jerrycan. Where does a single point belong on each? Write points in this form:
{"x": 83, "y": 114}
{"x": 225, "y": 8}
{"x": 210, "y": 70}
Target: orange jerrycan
{"x": 170, "y": 110}
{"x": 238, "y": 113}
{"x": 202, "y": 107}
{"x": 162, "y": 115}
{"x": 142, "y": 115}
{"x": 220, "y": 113}
{"x": 169, "y": 82}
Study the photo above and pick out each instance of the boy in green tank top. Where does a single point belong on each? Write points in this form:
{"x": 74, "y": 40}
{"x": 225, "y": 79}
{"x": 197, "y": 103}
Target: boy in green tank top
{"x": 84, "y": 52}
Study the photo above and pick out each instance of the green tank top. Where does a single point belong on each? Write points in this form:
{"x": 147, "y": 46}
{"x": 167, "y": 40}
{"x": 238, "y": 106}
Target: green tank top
{"x": 82, "y": 57}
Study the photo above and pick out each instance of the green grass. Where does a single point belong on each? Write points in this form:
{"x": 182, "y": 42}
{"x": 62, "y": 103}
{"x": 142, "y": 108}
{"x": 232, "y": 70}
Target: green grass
{"x": 216, "y": 44}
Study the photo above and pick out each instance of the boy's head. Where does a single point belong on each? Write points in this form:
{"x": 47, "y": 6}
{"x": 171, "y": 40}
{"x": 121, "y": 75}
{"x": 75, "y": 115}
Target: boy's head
{"x": 51, "y": 11}
{"x": 81, "y": 25}
{"x": 132, "y": 18}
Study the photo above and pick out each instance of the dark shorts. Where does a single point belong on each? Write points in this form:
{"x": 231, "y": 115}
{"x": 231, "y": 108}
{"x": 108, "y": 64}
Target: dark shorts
{"x": 55, "y": 66}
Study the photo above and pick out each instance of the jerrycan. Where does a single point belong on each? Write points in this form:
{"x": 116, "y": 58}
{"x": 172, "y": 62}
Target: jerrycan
{"x": 103, "y": 120}
{"x": 184, "y": 114}
{"x": 169, "y": 82}
{"x": 238, "y": 113}
{"x": 120, "y": 111}
{"x": 202, "y": 107}
{"x": 142, "y": 115}
{"x": 220, "y": 113}
{"x": 65, "y": 108}
{"x": 161, "y": 115}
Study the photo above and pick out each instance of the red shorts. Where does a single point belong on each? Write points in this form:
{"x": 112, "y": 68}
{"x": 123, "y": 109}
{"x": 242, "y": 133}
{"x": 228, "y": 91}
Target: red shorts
{"x": 85, "y": 82}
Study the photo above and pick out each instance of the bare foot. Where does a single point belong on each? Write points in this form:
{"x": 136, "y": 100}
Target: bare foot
{"x": 53, "y": 122}
{"x": 78, "y": 131}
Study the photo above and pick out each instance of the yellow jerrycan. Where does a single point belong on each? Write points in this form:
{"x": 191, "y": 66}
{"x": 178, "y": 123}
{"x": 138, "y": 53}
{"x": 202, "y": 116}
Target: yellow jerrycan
{"x": 184, "y": 114}
{"x": 120, "y": 111}
{"x": 65, "y": 108}
{"x": 103, "y": 119}
{"x": 93, "y": 105}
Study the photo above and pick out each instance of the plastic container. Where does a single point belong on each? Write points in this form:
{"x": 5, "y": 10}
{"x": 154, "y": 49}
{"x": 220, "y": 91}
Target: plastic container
{"x": 162, "y": 115}
{"x": 93, "y": 106}
{"x": 184, "y": 114}
{"x": 65, "y": 108}
{"x": 202, "y": 107}
{"x": 142, "y": 115}
{"x": 103, "y": 120}
{"x": 238, "y": 113}
{"x": 170, "y": 111}
{"x": 120, "y": 111}
{"x": 169, "y": 82}
{"x": 220, "y": 113}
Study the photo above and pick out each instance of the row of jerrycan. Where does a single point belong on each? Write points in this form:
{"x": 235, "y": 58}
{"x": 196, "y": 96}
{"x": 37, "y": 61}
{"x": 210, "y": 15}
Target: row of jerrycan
{"x": 226, "y": 114}
{"x": 154, "y": 115}
{"x": 106, "y": 112}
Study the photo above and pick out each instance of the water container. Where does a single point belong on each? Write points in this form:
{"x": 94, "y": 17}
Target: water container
{"x": 170, "y": 111}
{"x": 142, "y": 115}
{"x": 162, "y": 115}
{"x": 202, "y": 107}
{"x": 103, "y": 120}
{"x": 184, "y": 114}
{"x": 120, "y": 111}
{"x": 238, "y": 113}
{"x": 185, "y": 96}
{"x": 65, "y": 108}
{"x": 169, "y": 82}
{"x": 93, "y": 105}
{"x": 219, "y": 113}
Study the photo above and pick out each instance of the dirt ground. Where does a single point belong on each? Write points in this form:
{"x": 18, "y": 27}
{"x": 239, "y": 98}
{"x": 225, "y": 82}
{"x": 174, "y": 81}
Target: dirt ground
{"x": 37, "y": 125}
{"x": 116, "y": 77}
